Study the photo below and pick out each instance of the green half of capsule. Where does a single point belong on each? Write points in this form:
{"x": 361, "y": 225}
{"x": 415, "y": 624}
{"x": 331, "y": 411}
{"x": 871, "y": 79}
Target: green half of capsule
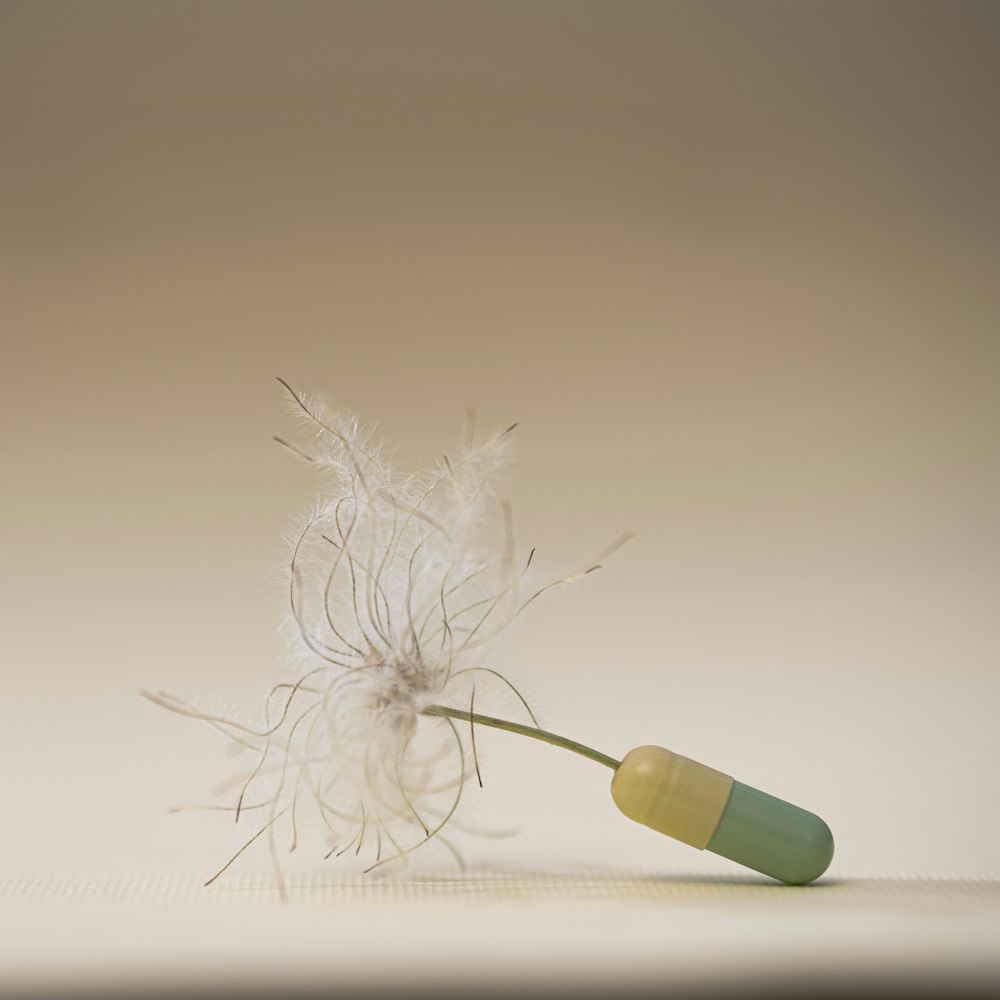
{"x": 709, "y": 810}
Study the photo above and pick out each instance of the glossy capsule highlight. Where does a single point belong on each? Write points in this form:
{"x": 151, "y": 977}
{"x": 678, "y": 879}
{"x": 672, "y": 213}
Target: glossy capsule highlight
{"x": 709, "y": 810}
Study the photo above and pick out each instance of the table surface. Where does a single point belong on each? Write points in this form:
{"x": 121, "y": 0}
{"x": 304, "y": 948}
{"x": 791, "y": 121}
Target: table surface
{"x": 499, "y": 930}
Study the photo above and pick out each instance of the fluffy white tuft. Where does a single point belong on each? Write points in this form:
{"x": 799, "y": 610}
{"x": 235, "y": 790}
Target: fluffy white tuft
{"x": 395, "y": 603}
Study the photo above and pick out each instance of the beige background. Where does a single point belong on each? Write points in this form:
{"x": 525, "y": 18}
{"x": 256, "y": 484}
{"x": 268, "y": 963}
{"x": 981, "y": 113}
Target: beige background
{"x": 734, "y": 268}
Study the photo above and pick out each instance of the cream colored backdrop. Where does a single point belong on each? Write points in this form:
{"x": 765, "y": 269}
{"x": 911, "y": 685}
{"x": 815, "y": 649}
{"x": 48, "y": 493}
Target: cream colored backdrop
{"x": 733, "y": 267}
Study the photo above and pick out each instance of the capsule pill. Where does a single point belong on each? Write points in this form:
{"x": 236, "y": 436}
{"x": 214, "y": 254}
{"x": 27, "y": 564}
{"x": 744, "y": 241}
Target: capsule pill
{"x": 709, "y": 810}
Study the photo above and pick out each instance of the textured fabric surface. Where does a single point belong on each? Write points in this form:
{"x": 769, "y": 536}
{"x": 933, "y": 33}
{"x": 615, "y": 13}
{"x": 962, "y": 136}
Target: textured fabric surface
{"x": 497, "y": 930}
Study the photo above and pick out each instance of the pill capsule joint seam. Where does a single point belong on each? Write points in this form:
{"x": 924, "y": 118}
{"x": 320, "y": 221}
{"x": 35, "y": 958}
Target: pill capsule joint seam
{"x": 722, "y": 812}
{"x": 671, "y": 794}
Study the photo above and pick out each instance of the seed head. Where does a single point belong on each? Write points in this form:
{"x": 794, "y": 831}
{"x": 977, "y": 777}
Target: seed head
{"x": 396, "y": 599}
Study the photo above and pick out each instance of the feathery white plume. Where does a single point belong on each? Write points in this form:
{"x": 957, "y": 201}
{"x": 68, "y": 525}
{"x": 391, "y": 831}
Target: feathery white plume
{"x": 395, "y": 604}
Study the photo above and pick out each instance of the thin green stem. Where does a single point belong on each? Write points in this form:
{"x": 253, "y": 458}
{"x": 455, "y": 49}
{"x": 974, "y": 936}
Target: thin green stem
{"x": 515, "y": 727}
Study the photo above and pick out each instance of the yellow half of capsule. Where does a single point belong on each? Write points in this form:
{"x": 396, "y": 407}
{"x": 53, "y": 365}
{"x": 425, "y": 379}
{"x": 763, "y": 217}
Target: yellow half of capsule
{"x": 671, "y": 794}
